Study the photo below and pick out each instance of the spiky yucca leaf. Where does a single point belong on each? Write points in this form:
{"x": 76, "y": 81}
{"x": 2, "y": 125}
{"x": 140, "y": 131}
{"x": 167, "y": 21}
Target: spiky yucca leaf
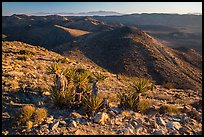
{"x": 70, "y": 73}
{"x": 81, "y": 78}
{"x": 53, "y": 68}
{"x": 62, "y": 98}
{"x": 92, "y": 103}
{"x": 99, "y": 76}
{"x": 142, "y": 85}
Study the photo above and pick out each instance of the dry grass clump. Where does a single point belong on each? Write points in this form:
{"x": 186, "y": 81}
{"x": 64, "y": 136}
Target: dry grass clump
{"x": 143, "y": 105}
{"x": 22, "y": 58}
{"x": 40, "y": 115}
{"x": 168, "y": 85}
{"x": 63, "y": 60}
{"x": 169, "y": 109}
{"x": 27, "y": 52}
{"x": 29, "y": 115}
{"x": 25, "y": 114}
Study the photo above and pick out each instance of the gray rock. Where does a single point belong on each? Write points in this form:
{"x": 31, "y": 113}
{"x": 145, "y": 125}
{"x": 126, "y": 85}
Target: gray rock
{"x": 160, "y": 121}
{"x": 139, "y": 129}
{"x": 115, "y": 110}
{"x": 55, "y": 125}
{"x": 159, "y": 132}
{"x": 140, "y": 120}
{"x": 172, "y": 125}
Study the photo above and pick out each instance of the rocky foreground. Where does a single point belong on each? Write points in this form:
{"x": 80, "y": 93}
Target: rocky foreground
{"x": 25, "y": 82}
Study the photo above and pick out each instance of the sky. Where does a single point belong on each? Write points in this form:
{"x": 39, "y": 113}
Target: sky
{"x": 30, "y": 8}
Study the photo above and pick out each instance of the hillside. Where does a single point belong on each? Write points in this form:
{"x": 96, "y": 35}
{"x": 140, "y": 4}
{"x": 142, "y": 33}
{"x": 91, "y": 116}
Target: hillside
{"x": 26, "y": 81}
{"x": 130, "y": 51}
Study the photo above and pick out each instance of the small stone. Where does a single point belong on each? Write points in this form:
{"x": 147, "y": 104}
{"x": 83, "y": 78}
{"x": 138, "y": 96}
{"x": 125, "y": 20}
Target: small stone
{"x": 73, "y": 123}
{"x": 174, "y": 132}
{"x": 6, "y": 115}
{"x": 171, "y": 125}
{"x": 62, "y": 122}
{"x": 76, "y": 115}
{"x": 49, "y": 120}
{"x": 154, "y": 124}
{"x": 177, "y": 125}
{"x": 44, "y": 126}
{"x": 130, "y": 130}
{"x": 55, "y": 125}
{"x": 101, "y": 117}
{"x": 160, "y": 121}
{"x": 159, "y": 132}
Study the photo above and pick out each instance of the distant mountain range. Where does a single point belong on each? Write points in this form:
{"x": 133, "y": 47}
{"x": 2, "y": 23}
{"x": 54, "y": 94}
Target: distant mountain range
{"x": 91, "y": 13}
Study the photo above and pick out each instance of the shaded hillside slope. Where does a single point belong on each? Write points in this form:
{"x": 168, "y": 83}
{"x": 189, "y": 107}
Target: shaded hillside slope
{"x": 133, "y": 52}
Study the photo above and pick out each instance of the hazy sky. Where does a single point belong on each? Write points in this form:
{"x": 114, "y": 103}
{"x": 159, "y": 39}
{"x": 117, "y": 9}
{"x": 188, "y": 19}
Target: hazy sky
{"x": 9, "y": 8}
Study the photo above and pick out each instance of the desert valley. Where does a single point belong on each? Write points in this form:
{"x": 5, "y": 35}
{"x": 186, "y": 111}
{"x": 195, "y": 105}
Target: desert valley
{"x": 135, "y": 74}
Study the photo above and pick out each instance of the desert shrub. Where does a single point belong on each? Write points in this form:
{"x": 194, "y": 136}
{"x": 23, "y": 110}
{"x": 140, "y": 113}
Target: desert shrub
{"x": 27, "y": 52}
{"x": 99, "y": 76}
{"x": 40, "y": 115}
{"x": 142, "y": 85}
{"x": 25, "y": 114}
{"x": 63, "y": 60}
{"x": 22, "y": 58}
{"x": 62, "y": 99}
{"x": 53, "y": 68}
{"x": 128, "y": 100}
{"x": 92, "y": 104}
{"x": 29, "y": 124}
{"x": 169, "y": 109}
{"x": 177, "y": 96}
{"x": 131, "y": 98}
{"x": 143, "y": 105}
{"x": 168, "y": 85}
{"x": 81, "y": 77}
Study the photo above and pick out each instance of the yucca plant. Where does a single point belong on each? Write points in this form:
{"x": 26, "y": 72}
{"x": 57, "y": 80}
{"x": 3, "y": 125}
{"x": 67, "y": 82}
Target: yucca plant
{"x": 53, "y": 68}
{"x": 92, "y": 104}
{"x": 62, "y": 99}
{"x": 69, "y": 73}
{"x": 131, "y": 98}
{"x": 81, "y": 78}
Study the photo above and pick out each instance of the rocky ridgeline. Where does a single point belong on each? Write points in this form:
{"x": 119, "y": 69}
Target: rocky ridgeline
{"x": 114, "y": 121}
